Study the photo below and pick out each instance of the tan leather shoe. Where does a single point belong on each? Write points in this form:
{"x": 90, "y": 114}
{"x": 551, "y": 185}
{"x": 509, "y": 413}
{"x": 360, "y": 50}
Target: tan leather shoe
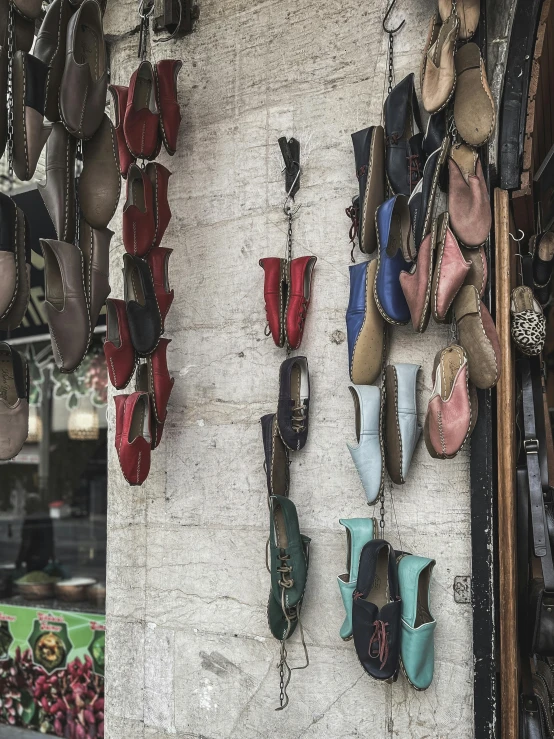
{"x": 95, "y": 247}
{"x": 474, "y": 113}
{"x": 65, "y": 303}
{"x": 84, "y": 83}
{"x": 468, "y": 11}
{"x": 58, "y": 193}
{"x": 438, "y": 74}
{"x": 469, "y": 204}
{"x": 477, "y": 334}
{"x": 50, "y": 48}
{"x": 100, "y": 182}
{"x": 14, "y": 401}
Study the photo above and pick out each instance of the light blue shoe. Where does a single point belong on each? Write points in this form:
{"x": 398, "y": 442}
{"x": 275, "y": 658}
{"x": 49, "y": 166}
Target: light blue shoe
{"x": 402, "y": 427}
{"x": 358, "y": 532}
{"x": 368, "y": 453}
{"x": 417, "y": 647}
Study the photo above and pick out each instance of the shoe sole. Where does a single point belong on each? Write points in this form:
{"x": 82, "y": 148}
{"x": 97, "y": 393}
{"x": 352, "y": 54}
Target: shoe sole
{"x": 376, "y": 164}
{"x": 366, "y": 351}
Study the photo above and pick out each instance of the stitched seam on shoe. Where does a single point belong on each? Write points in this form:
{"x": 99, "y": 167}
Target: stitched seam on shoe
{"x": 481, "y": 68}
{"x": 483, "y": 264}
{"x": 88, "y": 295}
{"x": 134, "y": 243}
{"x": 425, "y": 52}
{"x": 438, "y": 272}
{"x": 113, "y": 371}
{"x": 286, "y": 311}
{"x": 5, "y": 315}
{"x": 24, "y": 123}
{"x": 80, "y": 129}
{"x": 142, "y": 138}
{"x": 156, "y": 210}
{"x": 377, "y": 302}
{"x": 429, "y": 282}
{"x": 53, "y": 334}
{"x": 282, "y": 327}
{"x": 441, "y": 432}
{"x": 272, "y": 460}
{"x": 159, "y": 102}
{"x": 116, "y": 160}
{"x": 397, "y": 419}
{"x": 138, "y": 466}
{"x": 366, "y": 194}
{"x": 431, "y": 203}
{"x": 362, "y": 326}
{"x": 489, "y": 343}
{"x": 67, "y": 178}
{"x": 58, "y": 39}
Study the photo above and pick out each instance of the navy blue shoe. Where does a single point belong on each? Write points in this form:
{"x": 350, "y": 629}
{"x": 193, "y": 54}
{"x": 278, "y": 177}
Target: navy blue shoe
{"x": 393, "y": 235}
{"x": 364, "y": 326}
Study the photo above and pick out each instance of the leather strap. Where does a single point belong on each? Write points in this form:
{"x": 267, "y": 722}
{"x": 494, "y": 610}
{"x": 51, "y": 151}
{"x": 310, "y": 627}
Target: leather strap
{"x": 524, "y": 628}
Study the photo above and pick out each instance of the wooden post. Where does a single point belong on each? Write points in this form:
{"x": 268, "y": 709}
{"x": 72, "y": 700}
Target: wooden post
{"x": 507, "y": 546}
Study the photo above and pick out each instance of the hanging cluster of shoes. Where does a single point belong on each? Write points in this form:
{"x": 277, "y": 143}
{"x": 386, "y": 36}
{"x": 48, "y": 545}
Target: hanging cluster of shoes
{"x": 421, "y": 265}
{"x": 147, "y": 114}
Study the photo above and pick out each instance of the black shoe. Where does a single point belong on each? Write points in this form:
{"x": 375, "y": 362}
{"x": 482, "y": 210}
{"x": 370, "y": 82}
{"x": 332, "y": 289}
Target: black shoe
{"x": 294, "y": 402}
{"x": 542, "y": 248}
{"x": 369, "y": 155}
{"x": 377, "y": 611}
{"x": 143, "y": 314}
{"x": 276, "y": 457}
{"x": 422, "y": 199}
{"x": 435, "y": 132}
{"x": 404, "y": 138}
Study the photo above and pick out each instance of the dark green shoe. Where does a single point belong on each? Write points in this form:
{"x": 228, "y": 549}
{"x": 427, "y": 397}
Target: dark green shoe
{"x": 283, "y": 624}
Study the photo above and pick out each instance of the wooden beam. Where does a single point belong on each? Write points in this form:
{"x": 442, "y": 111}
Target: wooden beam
{"x": 507, "y": 552}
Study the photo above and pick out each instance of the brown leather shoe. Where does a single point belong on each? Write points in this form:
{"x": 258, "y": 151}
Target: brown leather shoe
{"x": 58, "y": 193}
{"x": 3, "y": 96}
{"x": 17, "y": 277}
{"x": 95, "y": 247}
{"x": 14, "y": 401}
{"x": 65, "y": 303}
{"x": 50, "y": 48}
{"x": 84, "y": 83}
{"x": 438, "y": 76}
{"x": 29, "y": 132}
{"x": 100, "y": 181}
{"x": 29, "y": 9}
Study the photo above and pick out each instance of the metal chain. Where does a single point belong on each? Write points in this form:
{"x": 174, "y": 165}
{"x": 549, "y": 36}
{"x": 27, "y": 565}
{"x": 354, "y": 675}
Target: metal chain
{"x": 288, "y": 256}
{"x": 391, "y": 61}
{"x": 146, "y": 9}
{"x": 283, "y": 682}
{"x": 11, "y": 45}
{"x": 382, "y": 513}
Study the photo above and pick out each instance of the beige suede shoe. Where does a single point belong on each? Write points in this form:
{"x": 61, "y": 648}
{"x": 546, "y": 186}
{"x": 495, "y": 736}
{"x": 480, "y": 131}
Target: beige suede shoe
{"x": 477, "y": 334}
{"x": 438, "y": 74}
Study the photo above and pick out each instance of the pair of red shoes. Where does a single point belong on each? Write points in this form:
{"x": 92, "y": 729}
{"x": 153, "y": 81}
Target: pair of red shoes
{"x": 287, "y": 293}
{"x": 146, "y": 213}
{"x": 147, "y": 112}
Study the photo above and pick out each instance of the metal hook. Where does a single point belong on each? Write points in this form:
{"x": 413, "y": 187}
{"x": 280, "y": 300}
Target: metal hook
{"x": 520, "y": 238}
{"x": 391, "y": 31}
{"x": 286, "y": 207}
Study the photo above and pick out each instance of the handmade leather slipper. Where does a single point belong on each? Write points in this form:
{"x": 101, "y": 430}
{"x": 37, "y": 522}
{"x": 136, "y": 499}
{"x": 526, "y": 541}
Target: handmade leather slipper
{"x": 276, "y": 463}
{"x": 422, "y": 200}
{"x": 58, "y": 192}
{"x": 119, "y": 99}
{"x": 118, "y": 348}
{"x": 158, "y": 261}
{"x": 275, "y": 282}
{"x": 367, "y": 453}
{"x": 159, "y": 178}
{"x": 474, "y": 114}
{"x": 402, "y": 430}
{"x": 477, "y": 334}
{"x": 452, "y": 411}
{"x": 393, "y": 235}
{"x": 478, "y": 271}
{"x": 50, "y": 48}
{"x": 528, "y": 321}
{"x": 468, "y": 12}
{"x": 15, "y": 262}
{"x": 95, "y": 247}
{"x": 139, "y": 222}
{"x": 416, "y": 284}
{"x": 450, "y": 271}
{"x": 14, "y": 401}
{"x": 358, "y": 532}
{"x": 438, "y": 75}
{"x": 100, "y": 181}
{"x": 469, "y": 203}
{"x": 133, "y": 436}
{"x": 364, "y": 326}
{"x": 542, "y": 248}
{"x": 369, "y": 154}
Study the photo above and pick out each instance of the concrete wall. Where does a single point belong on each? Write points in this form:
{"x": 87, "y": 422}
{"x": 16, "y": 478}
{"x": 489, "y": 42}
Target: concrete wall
{"x": 189, "y": 651}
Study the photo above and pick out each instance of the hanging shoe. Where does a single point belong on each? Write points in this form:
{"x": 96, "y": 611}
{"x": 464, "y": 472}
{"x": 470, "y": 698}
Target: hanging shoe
{"x": 422, "y": 200}
{"x": 402, "y": 430}
{"x": 143, "y": 313}
{"x": 301, "y": 272}
{"x": 294, "y": 402}
{"x": 14, "y": 402}
{"x": 417, "y": 648}
{"x": 528, "y": 322}
{"x": 142, "y": 385}
{"x": 403, "y": 129}
{"x": 469, "y": 204}
{"x": 50, "y": 47}
{"x": 158, "y": 261}
{"x": 367, "y": 454}
{"x": 477, "y": 334}
{"x": 14, "y": 316}
{"x": 29, "y": 132}
{"x": 416, "y": 284}
{"x": 275, "y": 286}
{"x": 14, "y": 276}
{"x": 450, "y": 272}
{"x": 160, "y": 382}
{"x": 435, "y": 133}
{"x": 393, "y": 234}
{"x": 95, "y": 247}
{"x": 119, "y": 97}
{"x": 452, "y": 410}
{"x": 139, "y": 225}
{"x": 364, "y": 326}
{"x": 118, "y": 348}
{"x": 369, "y": 155}
{"x": 142, "y": 117}
{"x": 65, "y": 303}
{"x": 3, "y": 96}
{"x": 468, "y": 12}
{"x": 159, "y": 179}
{"x": 276, "y": 462}
{"x": 474, "y": 112}
{"x": 84, "y": 84}
{"x": 542, "y": 248}
{"x": 24, "y": 29}
{"x": 478, "y": 271}
{"x": 438, "y": 76}
{"x": 58, "y": 193}
{"x": 100, "y": 180}
{"x": 166, "y": 72}
{"x": 377, "y": 611}
{"x": 132, "y": 436}
{"x": 358, "y": 532}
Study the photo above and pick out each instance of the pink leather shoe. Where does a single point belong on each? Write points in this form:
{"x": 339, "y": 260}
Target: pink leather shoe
{"x": 450, "y": 271}
{"x": 452, "y": 410}
{"x": 416, "y": 284}
{"x": 469, "y": 204}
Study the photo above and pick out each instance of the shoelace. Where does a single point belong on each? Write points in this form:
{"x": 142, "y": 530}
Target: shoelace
{"x": 362, "y": 171}
{"x": 414, "y": 170}
{"x": 381, "y": 639}
{"x": 285, "y": 569}
{"x": 299, "y": 418}
{"x": 353, "y": 213}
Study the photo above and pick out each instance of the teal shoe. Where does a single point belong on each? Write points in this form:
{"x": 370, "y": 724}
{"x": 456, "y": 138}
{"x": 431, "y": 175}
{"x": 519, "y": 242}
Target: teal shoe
{"x": 358, "y": 532}
{"x": 417, "y": 647}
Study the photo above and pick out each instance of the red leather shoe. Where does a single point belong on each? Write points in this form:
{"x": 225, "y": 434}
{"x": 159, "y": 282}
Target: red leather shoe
{"x": 158, "y": 260}
{"x": 274, "y": 283}
{"x": 119, "y": 351}
{"x": 142, "y": 385}
{"x": 119, "y": 96}
{"x": 158, "y": 380}
{"x": 139, "y": 223}
{"x": 167, "y": 72}
{"x": 300, "y": 286}
{"x": 159, "y": 178}
{"x": 142, "y": 117}
{"x": 133, "y": 436}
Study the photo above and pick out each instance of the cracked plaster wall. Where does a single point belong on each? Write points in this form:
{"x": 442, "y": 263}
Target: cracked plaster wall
{"x": 189, "y": 651}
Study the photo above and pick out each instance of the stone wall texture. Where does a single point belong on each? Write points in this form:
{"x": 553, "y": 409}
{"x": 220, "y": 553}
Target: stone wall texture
{"x": 189, "y": 650}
